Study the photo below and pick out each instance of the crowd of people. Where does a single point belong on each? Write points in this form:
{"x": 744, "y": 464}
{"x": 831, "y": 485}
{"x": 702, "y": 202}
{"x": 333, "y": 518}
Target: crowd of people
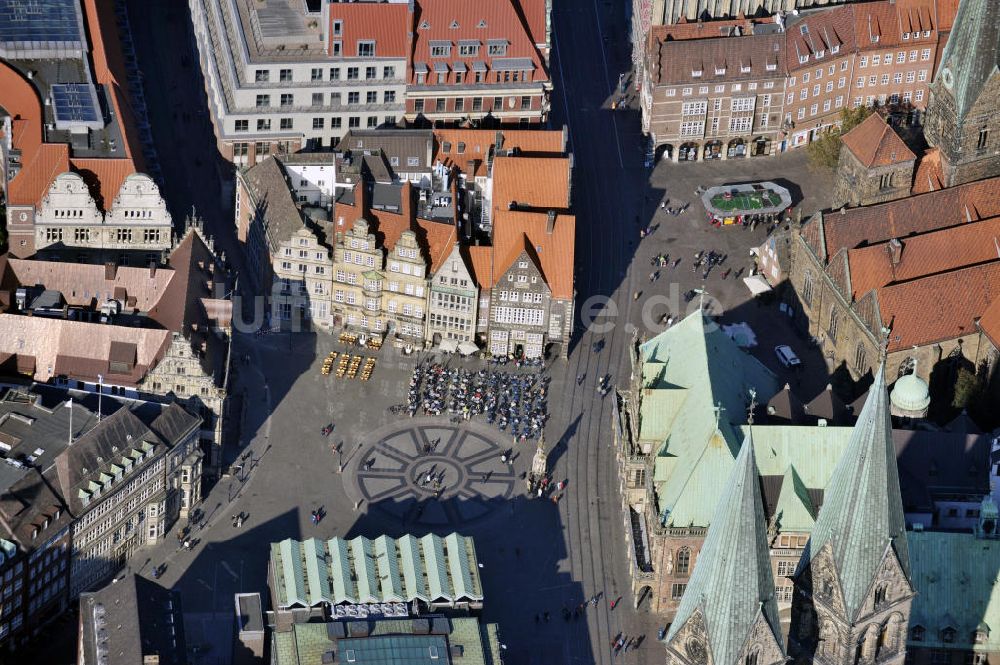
{"x": 514, "y": 402}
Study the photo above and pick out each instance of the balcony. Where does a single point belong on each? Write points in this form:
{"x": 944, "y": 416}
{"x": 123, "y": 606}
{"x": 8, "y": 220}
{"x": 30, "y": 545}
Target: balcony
{"x": 640, "y": 544}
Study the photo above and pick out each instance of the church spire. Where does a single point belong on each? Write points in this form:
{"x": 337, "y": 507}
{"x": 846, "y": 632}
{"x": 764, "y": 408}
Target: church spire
{"x": 731, "y": 591}
{"x": 972, "y": 53}
{"x": 862, "y": 520}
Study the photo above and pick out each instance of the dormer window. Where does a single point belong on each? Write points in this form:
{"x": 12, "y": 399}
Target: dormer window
{"x": 720, "y": 71}
{"x": 803, "y": 59}
{"x": 875, "y": 39}
{"x": 744, "y": 69}
{"x": 906, "y": 35}
{"x": 820, "y": 54}
{"x": 927, "y": 33}
{"x": 917, "y": 633}
{"x": 982, "y": 634}
{"x": 835, "y": 49}
{"x": 696, "y": 73}
{"x": 771, "y": 66}
{"x": 948, "y": 635}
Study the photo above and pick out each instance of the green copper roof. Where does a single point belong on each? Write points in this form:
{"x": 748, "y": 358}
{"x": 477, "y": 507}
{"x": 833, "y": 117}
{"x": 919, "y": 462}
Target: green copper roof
{"x": 732, "y": 582}
{"x": 955, "y": 575}
{"x": 972, "y": 53}
{"x": 697, "y": 382}
{"x": 794, "y": 510}
{"x": 862, "y": 512}
{"x": 385, "y": 570}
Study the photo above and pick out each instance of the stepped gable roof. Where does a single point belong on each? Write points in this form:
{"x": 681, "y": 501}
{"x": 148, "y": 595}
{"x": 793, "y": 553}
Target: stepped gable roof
{"x": 862, "y": 515}
{"x": 972, "y": 53}
{"x": 884, "y": 263}
{"x": 874, "y": 143}
{"x": 732, "y": 583}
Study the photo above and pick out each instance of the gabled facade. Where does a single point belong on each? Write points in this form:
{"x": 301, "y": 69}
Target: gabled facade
{"x": 963, "y": 118}
{"x": 453, "y": 301}
{"x": 519, "y": 307}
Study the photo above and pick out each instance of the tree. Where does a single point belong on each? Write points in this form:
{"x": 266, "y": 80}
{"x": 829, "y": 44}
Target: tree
{"x": 967, "y": 389}
{"x": 824, "y": 151}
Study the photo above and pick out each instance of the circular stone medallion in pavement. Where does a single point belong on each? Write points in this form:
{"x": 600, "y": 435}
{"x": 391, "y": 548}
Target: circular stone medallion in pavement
{"x": 432, "y": 473}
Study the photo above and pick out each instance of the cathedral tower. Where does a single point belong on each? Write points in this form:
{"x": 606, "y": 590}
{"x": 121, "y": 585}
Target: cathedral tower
{"x": 963, "y": 112}
{"x": 853, "y": 590}
{"x": 728, "y": 615}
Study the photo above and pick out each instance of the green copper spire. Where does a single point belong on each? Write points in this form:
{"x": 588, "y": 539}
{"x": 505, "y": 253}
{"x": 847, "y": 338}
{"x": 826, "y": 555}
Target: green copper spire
{"x": 862, "y": 513}
{"x": 732, "y": 584}
{"x": 972, "y": 53}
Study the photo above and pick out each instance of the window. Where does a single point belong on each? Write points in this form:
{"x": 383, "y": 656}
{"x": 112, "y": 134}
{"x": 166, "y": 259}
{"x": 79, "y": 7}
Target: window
{"x": 677, "y": 591}
{"x": 366, "y": 49}
{"x": 860, "y": 359}
{"x": 287, "y": 99}
{"x": 460, "y": 104}
{"x": 805, "y": 77}
{"x": 948, "y": 634}
{"x": 477, "y": 103}
{"x": 261, "y": 76}
{"x": 694, "y": 108}
{"x": 742, "y": 104}
{"x": 440, "y": 105}
{"x": 286, "y": 123}
{"x": 497, "y": 103}
{"x": 317, "y": 123}
{"x": 692, "y": 128}
{"x": 468, "y": 49}
{"x": 925, "y": 54}
{"x": 984, "y": 137}
{"x": 418, "y": 106}
{"x": 285, "y": 75}
{"x": 885, "y": 79}
{"x": 807, "y": 288}
{"x": 264, "y": 125}
{"x": 354, "y": 121}
{"x": 918, "y": 96}
{"x": 336, "y": 123}
{"x": 334, "y": 73}
{"x": 372, "y": 121}
{"x": 352, "y": 73}
{"x": 740, "y": 125}
{"x": 242, "y": 126}
{"x": 370, "y": 73}
{"x": 263, "y": 101}
{"x": 316, "y": 74}
{"x": 497, "y": 47}
{"x": 389, "y": 72}
{"x": 353, "y": 97}
{"x": 683, "y": 566}
{"x": 371, "y": 97}
{"x": 440, "y": 49}
{"x": 813, "y": 109}
{"x": 816, "y": 90}
{"x": 686, "y": 92}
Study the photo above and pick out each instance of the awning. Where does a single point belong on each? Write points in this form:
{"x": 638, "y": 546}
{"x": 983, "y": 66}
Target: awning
{"x": 478, "y": 66}
{"x": 441, "y": 67}
{"x": 459, "y": 66}
{"x": 448, "y": 345}
{"x": 757, "y": 284}
{"x": 512, "y": 64}
{"x": 467, "y": 348}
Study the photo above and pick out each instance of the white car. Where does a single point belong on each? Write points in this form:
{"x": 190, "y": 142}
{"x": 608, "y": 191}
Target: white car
{"x": 786, "y": 356}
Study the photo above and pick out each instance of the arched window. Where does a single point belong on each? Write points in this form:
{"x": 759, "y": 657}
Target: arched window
{"x": 834, "y": 324}
{"x": 683, "y": 561}
{"x": 880, "y": 595}
{"x": 752, "y": 657}
{"x": 907, "y": 366}
{"x": 860, "y": 359}
{"x": 807, "y": 288}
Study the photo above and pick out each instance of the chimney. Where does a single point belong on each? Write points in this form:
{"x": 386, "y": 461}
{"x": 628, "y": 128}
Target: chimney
{"x": 498, "y": 141}
{"x": 550, "y": 223}
{"x": 895, "y": 251}
{"x": 110, "y": 270}
{"x": 361, "y": 197}
{"x": 152, "y": 269}
{"x": 406, "y": 202}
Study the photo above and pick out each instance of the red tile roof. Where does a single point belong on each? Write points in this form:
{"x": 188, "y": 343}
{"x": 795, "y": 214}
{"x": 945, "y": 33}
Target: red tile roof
{"x": 673, "y": 62}
{"x": 461, "y": 20}
{"x": 19, "y": 99}
{"x": 959, "y": 297}
{"x": 385, "y": 23}
{"x": 990, "y": 323}
{"x": 536, "y": 182}
{"x": 104, "y": 177}
{"x": 513, "y": 230}
{"x": 825, "y": 31}
{"x": 684, "y": 29}
{"x": 31, "y": 184}
{"x": 928, "y": 176}
{"x": 479, "y": 143}
{"x": 939, "y": 209}
{"x": 874, "y": 143}
{"x": 925, "y": 254}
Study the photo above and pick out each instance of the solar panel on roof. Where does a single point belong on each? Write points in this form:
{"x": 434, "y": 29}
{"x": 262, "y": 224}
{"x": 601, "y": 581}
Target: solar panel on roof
{"x": 73, "y": 102}
{"x": 39, "y": 21}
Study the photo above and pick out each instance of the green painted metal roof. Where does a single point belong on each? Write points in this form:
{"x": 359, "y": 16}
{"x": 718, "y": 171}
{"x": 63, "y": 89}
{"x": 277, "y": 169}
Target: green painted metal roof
{"x": 862, "y": 513}
{"x": 795, "y": 510}
{"x": 732, "y": 582}
{"x": 972, "y": 53}
{"x": 698, "y": 382}
{"x": 955, "y": 575}
{"x": 311, "y": 572}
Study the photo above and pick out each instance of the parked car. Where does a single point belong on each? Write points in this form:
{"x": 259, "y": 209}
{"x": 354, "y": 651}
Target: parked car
{"x": 786, "y": 356}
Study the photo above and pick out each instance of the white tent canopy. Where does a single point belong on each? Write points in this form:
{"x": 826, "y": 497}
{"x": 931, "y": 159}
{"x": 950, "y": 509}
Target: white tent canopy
{"x": 757, "y": 284}
{"x": 448, "y": 345}
{"x": 467, "y": 348}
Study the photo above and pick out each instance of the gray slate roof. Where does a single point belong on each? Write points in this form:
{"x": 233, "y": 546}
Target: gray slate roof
{"x": 272, "y": 193}
{"x": 973, "y": 50}
{"x": 862, "y": 511}
{"x": 732, "y": 581}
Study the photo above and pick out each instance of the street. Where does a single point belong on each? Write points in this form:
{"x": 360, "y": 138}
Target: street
{"x": 538, "y": 556}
